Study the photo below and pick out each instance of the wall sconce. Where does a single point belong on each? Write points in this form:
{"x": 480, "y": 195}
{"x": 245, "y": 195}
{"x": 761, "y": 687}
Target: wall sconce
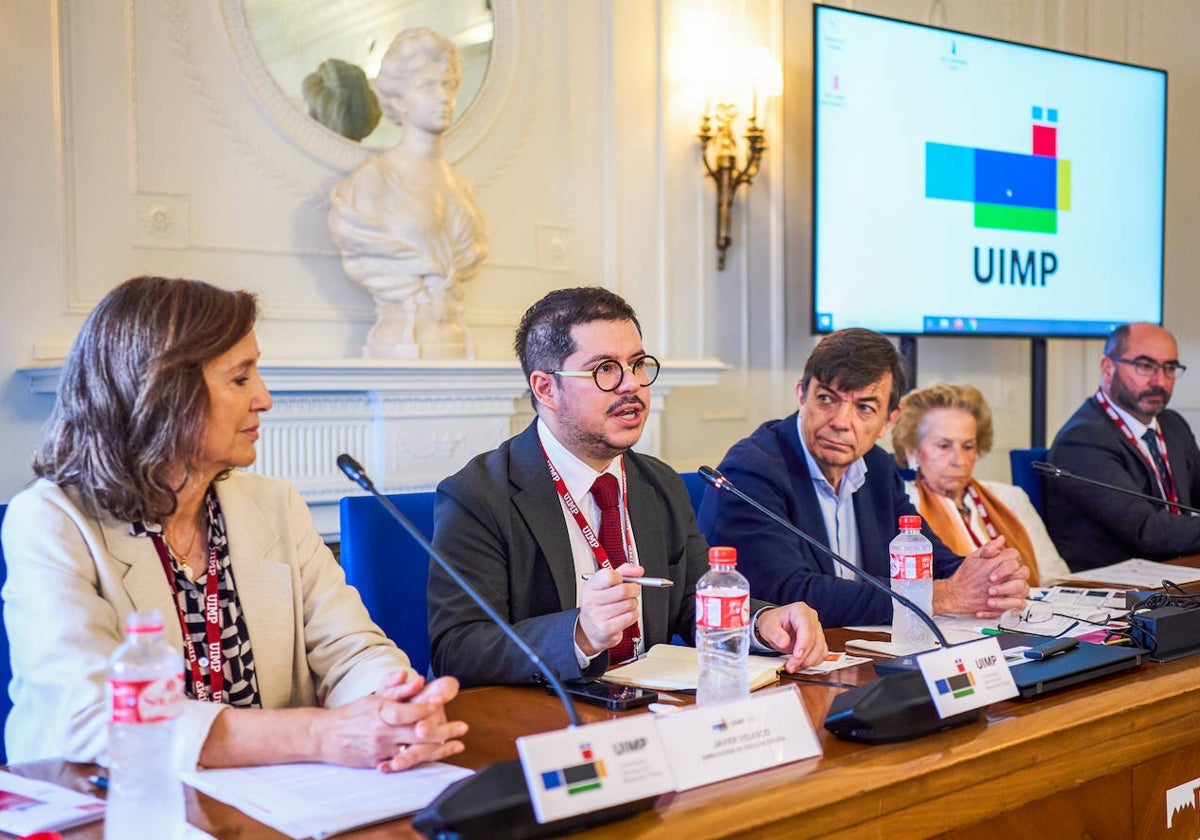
{"x": 765, "y": 77}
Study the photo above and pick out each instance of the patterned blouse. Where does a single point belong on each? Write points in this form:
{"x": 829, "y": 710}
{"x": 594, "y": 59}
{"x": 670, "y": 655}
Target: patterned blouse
{"x": 241, "y": 684}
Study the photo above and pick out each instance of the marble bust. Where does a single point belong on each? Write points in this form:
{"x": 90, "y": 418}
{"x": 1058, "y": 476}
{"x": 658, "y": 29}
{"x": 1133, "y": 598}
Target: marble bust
{"x": 405, "y": 223}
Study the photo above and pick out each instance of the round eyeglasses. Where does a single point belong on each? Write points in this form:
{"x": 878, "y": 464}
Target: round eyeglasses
{"x": 609, "y": 373}
{"x": 1041, "y": 613}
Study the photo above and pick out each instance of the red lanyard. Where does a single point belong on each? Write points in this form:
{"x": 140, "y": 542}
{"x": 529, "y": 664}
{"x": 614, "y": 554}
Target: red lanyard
{"x": 602, "y": 560}
{"x": 212, "y": 626}
{"x": 977, "y": 501}
{"x": 1167, "y": 487}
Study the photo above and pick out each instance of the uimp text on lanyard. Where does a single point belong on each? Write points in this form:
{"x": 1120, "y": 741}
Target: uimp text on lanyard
{"x": 602, "y": 559}
{"x": 213, "y": 691}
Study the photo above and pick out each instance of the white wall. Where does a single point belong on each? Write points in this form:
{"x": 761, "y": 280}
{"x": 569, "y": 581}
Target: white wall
{"x": 133, "y": 143}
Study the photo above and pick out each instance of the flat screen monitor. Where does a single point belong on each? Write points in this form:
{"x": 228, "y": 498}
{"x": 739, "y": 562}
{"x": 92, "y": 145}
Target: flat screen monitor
{"x": 968, "y": 185}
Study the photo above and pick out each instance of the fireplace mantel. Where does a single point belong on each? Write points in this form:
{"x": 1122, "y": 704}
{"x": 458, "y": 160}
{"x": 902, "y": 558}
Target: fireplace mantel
{"x": 410, "y": 423}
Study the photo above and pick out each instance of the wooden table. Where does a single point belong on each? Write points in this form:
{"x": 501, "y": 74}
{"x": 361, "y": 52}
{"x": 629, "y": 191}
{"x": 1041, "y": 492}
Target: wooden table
{"x": 1091, "y": 761}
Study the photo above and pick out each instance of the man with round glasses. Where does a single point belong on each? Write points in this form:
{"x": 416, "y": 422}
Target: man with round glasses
{"x": 568, "y": 498}
{"x": 1125, "y": 435}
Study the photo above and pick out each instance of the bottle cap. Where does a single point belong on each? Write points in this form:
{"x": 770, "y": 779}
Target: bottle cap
{"x": 910, "y": 523}
{"x": 145, "y": 621}
{"x": 722, "y": 555}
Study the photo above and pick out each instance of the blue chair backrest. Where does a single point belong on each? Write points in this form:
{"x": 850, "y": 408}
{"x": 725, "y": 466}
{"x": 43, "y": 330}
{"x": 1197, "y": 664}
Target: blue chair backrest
{"x": 1023, "y": 475}
{"x": 389, "y": 568}
{"x": 5, "y": 662}
{"x": 695, "y": 487}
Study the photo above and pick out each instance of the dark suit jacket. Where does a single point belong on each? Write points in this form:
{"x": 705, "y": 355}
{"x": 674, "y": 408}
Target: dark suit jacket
{"x": 770, "y": 467}
{"x": 499, "y": 522}
{"x": 1092, "y": 526}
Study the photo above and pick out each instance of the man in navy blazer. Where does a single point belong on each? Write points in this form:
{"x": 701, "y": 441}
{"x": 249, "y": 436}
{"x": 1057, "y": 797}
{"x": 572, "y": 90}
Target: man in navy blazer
{"x": 820, "y": 468}
{"x": 1106, "y": 440}
{"x": 520, "y": 523}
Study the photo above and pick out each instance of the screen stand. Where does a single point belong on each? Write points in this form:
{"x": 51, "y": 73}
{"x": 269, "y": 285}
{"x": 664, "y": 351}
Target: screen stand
{"x": 1037, "y": 392}
{"x": 908, "y": 349}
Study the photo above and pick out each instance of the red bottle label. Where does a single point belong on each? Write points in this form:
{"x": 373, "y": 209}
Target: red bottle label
{"x": 145, "y": 701}
{"x": 717, "y": 612}
{"x": 912, "y": 566}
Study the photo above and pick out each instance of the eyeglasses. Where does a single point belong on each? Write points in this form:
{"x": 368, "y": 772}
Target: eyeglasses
{"x": 609, "y": 373}
{"x": 1037, "y": 618}
{"x": 1149, "y": 367}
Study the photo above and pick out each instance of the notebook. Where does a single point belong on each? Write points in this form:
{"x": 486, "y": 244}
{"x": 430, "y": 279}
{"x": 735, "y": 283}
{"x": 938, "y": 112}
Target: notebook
{"x": 1033, "y": 677}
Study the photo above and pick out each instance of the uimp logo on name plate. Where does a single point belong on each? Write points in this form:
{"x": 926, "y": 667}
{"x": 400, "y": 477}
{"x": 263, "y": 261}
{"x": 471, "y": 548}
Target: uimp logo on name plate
{"x": 582, "y": 769}
{"x": 967, "y": 676}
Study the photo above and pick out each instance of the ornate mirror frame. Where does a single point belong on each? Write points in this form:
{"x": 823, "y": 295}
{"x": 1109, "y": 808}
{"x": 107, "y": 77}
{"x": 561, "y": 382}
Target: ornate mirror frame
{"x": 343, "y": 154}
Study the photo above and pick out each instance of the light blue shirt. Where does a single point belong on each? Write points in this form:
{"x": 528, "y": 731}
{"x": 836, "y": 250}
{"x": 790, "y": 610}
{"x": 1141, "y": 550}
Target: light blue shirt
{"x": 837, "y": 507}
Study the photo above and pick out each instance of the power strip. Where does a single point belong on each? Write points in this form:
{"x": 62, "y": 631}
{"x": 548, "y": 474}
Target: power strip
{"x": 1168, "y": 632}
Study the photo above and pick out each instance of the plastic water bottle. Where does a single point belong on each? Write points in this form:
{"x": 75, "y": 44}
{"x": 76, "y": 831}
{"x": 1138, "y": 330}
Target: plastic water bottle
{"x": 722, "y": 630}
{"x": 145, "y": 696}
{"x": 912, "y": 577}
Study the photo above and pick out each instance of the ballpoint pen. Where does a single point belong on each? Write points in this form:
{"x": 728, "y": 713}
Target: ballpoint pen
{"x": 640, "y": 581}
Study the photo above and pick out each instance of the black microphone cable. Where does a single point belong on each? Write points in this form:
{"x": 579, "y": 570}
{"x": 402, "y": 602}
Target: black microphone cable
{"x": 355, "y": 472}
{"x": 718, "y": 480}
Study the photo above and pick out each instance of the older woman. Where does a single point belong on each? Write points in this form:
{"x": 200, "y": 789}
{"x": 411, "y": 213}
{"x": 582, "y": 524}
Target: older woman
{"x": 138, "y": 506}
{"x": 940, "y": 433}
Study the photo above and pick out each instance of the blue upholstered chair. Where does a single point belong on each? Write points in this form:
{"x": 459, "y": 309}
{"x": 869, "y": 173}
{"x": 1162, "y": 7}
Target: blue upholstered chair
{"x": 5, "y": 662}
{"x": 389, "y": 568}
{"x": 1023, "y": 475}
{"x": 695, "y": 487}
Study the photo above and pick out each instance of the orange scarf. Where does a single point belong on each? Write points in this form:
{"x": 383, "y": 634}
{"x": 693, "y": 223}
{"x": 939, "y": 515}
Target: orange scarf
{"x": 952, "y": 530}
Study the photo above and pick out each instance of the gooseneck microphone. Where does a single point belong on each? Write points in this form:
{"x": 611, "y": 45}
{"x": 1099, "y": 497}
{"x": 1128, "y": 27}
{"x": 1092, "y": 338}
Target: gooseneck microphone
{"x": 355, "y": 472}
{"x": 1054, "y": 471}
{"x": 717, "y": 479}
{"x": 493, "y": 803}
{"x": 896, "y": 707}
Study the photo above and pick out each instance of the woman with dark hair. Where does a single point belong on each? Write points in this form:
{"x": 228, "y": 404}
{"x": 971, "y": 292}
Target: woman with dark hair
{"x": 139, "y": 506}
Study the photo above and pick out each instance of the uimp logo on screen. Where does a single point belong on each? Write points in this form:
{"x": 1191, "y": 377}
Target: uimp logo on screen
{"x": 1010, "y": 191}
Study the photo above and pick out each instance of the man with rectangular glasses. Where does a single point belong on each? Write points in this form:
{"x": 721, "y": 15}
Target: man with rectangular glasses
{"x": 554, "y": 525}
{"x": 1125, "y": 435}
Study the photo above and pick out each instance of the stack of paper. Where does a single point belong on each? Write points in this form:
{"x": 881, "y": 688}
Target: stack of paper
{"x": 320, "y": 800}
{"x": 28, "y": 805}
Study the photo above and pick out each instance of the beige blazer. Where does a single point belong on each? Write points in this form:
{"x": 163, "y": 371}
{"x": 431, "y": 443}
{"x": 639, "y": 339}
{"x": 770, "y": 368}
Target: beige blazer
{"x": 72, "y": 579}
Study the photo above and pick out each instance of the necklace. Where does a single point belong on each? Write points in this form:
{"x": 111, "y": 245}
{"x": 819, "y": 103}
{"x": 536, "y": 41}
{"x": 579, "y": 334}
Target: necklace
{"x": 181, "y": 556}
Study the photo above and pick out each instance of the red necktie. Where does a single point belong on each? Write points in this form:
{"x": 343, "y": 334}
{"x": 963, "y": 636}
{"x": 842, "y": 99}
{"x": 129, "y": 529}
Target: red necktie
{"x": 607, "y": 495}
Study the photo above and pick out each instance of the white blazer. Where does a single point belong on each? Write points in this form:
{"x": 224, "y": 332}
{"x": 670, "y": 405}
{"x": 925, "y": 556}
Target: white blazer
{"x": 72, "y": 579}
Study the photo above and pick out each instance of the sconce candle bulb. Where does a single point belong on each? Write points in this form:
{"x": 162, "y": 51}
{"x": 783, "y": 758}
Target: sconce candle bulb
{"x": 725, "y": 171}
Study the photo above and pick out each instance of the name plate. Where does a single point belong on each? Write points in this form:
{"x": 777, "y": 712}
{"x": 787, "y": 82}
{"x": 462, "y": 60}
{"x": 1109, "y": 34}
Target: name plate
{"x": 582, "y": 769}
{"x": 967, "y": 676}
{"x": 706, "y": 744}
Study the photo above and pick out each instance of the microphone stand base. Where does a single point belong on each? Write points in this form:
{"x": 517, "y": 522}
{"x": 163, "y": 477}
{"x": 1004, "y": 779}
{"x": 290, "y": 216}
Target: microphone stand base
{"x": 494, "y": 804}
{"x": 893, "y": 708}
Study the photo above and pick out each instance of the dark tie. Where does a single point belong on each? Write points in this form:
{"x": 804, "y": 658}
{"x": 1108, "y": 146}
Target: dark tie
{"x": 1160, "y": 463}
{"x": 608, "y": 496}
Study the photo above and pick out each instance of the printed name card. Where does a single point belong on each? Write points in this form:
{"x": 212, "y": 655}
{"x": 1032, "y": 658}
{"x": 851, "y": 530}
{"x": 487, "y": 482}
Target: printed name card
{"x": 707, "y": 744}
{"x": 967, "y": 676}
{"x": 586, "y": 768}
